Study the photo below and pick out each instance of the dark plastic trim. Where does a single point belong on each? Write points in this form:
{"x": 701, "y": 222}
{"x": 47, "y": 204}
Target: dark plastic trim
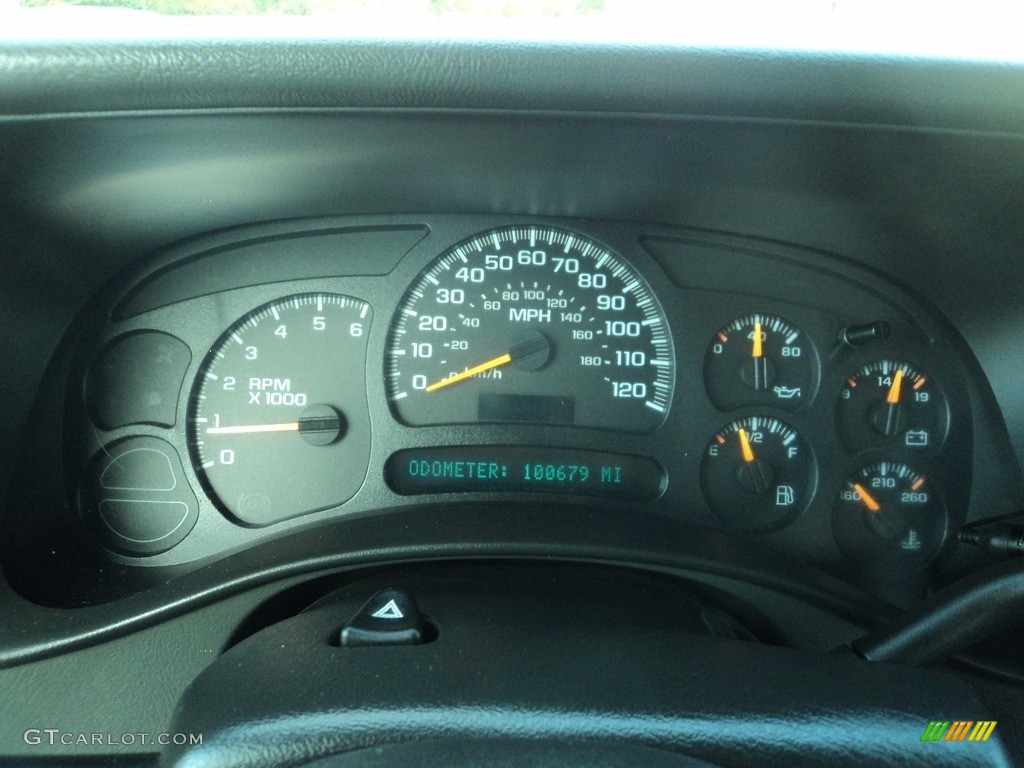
{"x": 164, "y": 74}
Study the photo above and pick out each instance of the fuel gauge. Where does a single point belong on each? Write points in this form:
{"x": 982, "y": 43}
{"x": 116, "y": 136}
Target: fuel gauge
{"x": 757, "y": 473}
{"x": 760, "y": 359}
{"x": 889, "y": 512}
{"x": 892, "y": 405}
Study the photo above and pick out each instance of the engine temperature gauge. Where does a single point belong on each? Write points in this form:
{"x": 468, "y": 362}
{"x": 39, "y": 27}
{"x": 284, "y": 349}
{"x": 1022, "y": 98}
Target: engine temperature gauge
{"x": 891, "y": 404}
{"x": 760, "y": 360}
{"x": 889, "y": 512}
{"x": 757, "y": 473}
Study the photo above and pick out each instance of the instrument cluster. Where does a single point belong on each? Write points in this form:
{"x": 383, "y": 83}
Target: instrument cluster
{"x": 783, "y": 396}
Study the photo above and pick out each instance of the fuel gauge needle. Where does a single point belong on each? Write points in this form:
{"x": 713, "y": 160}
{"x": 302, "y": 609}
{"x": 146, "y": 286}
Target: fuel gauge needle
{"x": 759, "y": 473}
{"x": 748, "y": 452}
{"x": 866, "y": 497}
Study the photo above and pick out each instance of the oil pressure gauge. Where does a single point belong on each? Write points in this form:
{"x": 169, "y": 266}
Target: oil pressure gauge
{"x": 893, "y": 405}
{"x": 760, "y": 360}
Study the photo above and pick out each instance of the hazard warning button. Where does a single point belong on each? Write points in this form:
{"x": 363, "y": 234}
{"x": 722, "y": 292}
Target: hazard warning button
{"x": 390, "y": 617}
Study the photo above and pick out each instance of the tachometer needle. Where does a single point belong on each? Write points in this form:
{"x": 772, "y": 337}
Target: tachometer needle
{"x": 496, "y": 362}
{"x": 292, "y": 426}
{"x": 893, "y": 397}
{"x": 748, "y": 452}
{"x": 758, "y": 344}
{"x": 866, "y": 497}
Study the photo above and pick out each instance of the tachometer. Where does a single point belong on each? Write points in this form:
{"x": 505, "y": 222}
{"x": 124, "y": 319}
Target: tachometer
{"x": 531, "y": 324}
{"x": 279, "y": 424}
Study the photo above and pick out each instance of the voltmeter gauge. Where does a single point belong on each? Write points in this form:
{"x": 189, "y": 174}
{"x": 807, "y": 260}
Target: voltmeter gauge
{"x": 760, "y": 360}
{"x": 892, "y": 405}
{"x": 889, "y": 513}
{"x": 757, "y": 473}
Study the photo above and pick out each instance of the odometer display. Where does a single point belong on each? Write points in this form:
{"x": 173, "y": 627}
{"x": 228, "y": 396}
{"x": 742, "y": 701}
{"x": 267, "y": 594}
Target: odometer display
{"x": 524, "y": 469}
{"x": 531, "y": 325}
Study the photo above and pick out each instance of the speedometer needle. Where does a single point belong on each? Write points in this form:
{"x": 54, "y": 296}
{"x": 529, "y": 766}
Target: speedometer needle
{"x": 292, "y": 426}
{"x": 532, "y": 347}
{"x": 498, "y": 361}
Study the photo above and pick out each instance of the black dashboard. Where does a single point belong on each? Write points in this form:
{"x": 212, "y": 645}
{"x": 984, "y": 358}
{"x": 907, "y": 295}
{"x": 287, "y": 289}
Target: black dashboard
{"x": 749, "y": 327}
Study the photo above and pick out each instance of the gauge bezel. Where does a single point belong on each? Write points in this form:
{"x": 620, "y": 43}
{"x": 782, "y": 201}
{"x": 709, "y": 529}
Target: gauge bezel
{"x": 729, "y": 509}
{"x": 869, "y": 550}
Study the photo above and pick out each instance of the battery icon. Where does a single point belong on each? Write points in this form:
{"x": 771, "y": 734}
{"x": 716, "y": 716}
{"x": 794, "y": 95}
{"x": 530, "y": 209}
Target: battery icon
{"x": 916, "y": 438}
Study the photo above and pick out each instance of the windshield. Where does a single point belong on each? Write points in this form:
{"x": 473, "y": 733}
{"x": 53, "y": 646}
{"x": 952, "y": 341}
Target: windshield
{"x": 986, "y": 29}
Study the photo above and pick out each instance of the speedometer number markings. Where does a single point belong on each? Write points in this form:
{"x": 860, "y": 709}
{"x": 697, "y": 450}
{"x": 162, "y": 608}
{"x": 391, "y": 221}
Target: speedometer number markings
{"x": 533, "y": 325}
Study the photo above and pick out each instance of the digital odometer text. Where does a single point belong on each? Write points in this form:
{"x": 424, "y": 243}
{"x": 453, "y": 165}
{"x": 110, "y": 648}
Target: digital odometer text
{"x": 524, "y": 469}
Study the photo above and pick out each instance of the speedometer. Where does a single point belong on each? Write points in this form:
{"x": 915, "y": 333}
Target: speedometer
{"x": 531, "y": 324}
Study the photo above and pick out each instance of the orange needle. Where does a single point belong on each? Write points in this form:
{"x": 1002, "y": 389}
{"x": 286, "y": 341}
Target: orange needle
{"x": 748, "y": 452}
{"x": 289, "y": 427}
{"x": 498, "y": 361}
{"x": 869, "y": 502}
{"x": 894, "y": 391}
{"x": 758, "y": 350}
